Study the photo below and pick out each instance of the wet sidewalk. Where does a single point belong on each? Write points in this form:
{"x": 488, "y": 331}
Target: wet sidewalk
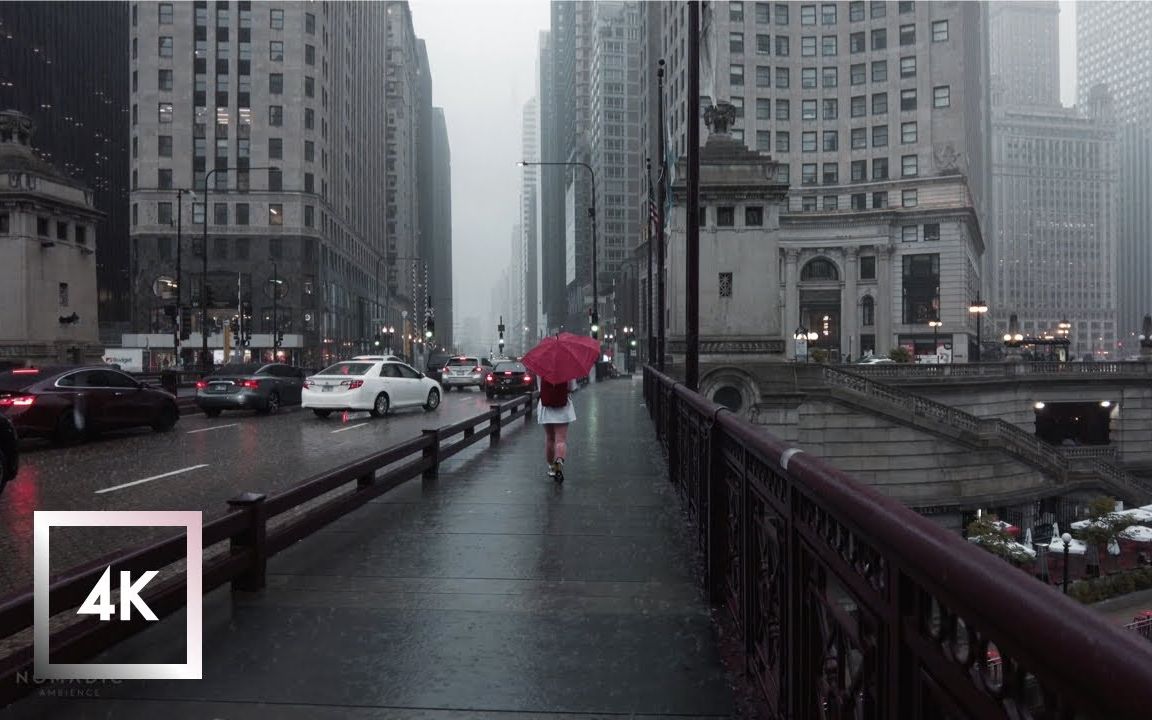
{"x": 489, "y": 592}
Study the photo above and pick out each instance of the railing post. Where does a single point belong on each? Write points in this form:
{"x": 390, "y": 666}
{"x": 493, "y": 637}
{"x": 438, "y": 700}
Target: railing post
{"x": 529, "y": 406}
{"x": 251, "y": 539}
{"x": 432, "y": 453}
{"x": 717, "y": 489}
{"x": 495, "y": 424}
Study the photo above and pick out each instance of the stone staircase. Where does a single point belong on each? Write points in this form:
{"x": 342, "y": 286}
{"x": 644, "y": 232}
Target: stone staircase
{"x": 1064, "y": 465}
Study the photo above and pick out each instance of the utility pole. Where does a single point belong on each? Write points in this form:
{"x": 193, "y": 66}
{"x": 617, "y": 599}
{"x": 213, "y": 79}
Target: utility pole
{"x": 692, "y": 261}
{"x": 275, "y": 317}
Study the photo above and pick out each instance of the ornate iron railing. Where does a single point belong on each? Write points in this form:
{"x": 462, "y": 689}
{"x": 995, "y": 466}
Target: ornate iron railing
{"x": 847, "y": 604}
{"x": 906, "y": 371}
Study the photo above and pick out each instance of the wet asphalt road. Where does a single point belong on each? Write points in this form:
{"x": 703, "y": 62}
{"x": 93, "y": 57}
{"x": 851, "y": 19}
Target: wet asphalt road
{"x": 198, "y": 466}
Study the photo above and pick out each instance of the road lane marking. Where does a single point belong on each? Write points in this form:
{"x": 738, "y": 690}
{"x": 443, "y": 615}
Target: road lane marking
{"x": 215, "y": 427}
{"x": 350, "y": 427}
{"x": 154, "y": 477}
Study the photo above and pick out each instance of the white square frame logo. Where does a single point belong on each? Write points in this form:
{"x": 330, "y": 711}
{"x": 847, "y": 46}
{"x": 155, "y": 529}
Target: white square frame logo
{"x": 191, "y": 521}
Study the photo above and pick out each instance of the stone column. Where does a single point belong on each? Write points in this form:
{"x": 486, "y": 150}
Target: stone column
{"x": 849, "y": 317}
{"x": 888, "y": 273}
{"x": 791, "y": 300}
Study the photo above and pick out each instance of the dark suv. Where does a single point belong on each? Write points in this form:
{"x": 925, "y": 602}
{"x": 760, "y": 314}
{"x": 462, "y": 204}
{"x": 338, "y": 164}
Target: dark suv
{"x": 9, "y": 452}
{"x": 435, "y": 366}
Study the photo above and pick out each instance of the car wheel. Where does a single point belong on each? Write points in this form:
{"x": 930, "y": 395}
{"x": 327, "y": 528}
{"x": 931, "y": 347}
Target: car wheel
{"x": 66, "y": 431}
{"x": 322, "y": 413}
{"x": 212, "y": 412}
{"x": 380, "y": 406}
{"x": 433, "y": 399}
{"x": 167, "y": 420}
{"x": 272, "y": 405}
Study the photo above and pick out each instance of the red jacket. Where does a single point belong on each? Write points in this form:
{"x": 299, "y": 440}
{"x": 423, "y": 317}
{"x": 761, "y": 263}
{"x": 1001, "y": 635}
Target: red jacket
{"x": 555, "y": 396}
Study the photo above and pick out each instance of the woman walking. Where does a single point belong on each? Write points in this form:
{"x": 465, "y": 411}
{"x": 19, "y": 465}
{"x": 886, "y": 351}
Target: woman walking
{"x": 555, "y": 411}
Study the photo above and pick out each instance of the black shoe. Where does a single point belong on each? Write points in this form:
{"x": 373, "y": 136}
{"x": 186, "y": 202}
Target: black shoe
{"x": 558, "y": 470}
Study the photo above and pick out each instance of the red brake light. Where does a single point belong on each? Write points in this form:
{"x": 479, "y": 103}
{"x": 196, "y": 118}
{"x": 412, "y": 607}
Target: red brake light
{"x": 200, "y": 384}
{"x": 26, "y": 371}
{"x": 477, "y": 369}
{"x": 250, "y": 384}
{"x": 353, "y": 384}
{"x": 17, "y": 401}
{"x": 489, "y": 378}
{"x": 307, "y": 384}
{"x": 527, "y": 378}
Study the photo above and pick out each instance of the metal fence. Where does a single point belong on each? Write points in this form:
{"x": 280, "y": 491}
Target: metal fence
{"x": 849, "y": 605}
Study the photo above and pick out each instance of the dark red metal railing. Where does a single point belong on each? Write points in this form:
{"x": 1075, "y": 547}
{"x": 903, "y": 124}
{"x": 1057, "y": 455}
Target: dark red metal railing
{"x": 849, "y": 605}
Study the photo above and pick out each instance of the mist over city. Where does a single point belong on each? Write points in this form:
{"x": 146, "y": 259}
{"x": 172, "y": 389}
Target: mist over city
{"x": 575, "y": 359}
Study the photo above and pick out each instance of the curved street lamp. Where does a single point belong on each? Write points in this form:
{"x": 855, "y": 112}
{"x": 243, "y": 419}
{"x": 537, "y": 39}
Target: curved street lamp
{"x": 1067, "y": 540}
{"x": 978, "y": 308}
{"x": 935, "y": 325}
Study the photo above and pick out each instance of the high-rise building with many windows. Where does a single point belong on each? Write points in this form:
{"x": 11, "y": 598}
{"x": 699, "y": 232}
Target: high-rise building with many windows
{"x": 268, "y": 126}
{"x": 526, "y": 328}
{"x": 1114, "y": 49}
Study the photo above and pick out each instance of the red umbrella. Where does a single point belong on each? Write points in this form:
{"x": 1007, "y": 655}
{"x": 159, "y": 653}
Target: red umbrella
{"x": 560, "y": 358}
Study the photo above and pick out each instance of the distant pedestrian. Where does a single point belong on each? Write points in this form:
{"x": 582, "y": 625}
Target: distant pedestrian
{"x": 555, "y": 411}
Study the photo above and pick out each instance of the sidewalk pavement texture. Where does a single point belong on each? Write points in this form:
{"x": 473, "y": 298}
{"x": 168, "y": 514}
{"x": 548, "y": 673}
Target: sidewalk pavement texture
{"x": 490, "y": 592}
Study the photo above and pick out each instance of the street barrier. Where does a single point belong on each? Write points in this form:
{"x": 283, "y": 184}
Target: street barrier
{"x": 845, "y": 603}
{"x": 252, "y": 539}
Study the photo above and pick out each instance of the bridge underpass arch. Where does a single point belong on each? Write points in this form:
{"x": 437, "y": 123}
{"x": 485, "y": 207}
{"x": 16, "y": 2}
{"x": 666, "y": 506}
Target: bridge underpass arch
{"x": 732, "y": 387}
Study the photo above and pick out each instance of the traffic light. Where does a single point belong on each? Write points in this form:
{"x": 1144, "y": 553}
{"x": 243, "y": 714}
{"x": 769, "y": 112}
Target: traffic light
{"x": 278, "y": 339}
{"x": 185, "y": 323}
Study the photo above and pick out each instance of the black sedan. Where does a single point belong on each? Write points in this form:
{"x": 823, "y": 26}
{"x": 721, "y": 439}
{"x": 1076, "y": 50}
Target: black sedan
{"x": 9, "y": 452}
{"x": 69, "y": 403}
{"x": 509, "y": 378}
{"x": 263, "y": 388}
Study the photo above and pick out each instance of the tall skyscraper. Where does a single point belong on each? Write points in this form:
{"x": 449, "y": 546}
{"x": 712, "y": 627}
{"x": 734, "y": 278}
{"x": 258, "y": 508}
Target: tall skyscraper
{"x": 65, "y": 66}
{"x": 311, "y": 168}
{"x": 441, "y": 260}
{"x": 527, "y": 329}
{"x": 1052, "y": 232}
{"x": 1114, "y": 49}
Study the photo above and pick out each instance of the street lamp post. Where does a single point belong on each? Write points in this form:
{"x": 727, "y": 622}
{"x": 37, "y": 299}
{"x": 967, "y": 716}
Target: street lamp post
{"x": 935, "y": 325}
{"x": 205, "y": 358}
{"x": 1067, "y": 540}
{"x": 179, "y": 280}
{"x": 803, "y": 335}
{"x": 592, "y": 216}
{"x": 978, "y": 308}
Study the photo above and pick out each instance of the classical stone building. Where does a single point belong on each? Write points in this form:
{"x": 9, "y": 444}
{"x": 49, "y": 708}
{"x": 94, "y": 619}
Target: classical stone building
{"x": 47, "y": 256}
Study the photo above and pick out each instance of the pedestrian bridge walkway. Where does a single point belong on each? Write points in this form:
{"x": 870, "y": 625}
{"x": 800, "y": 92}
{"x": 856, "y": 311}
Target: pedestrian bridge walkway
{"x": 487, "y": 592}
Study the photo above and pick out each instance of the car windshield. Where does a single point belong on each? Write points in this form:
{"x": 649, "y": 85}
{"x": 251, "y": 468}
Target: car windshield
{"x": 347, "y": 368}
{"x": 460, "y": 362}
{"x": 510, "y": 367}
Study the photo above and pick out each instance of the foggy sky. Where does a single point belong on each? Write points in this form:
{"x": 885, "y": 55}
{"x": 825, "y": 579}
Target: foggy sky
{"x": 483, "y": 59}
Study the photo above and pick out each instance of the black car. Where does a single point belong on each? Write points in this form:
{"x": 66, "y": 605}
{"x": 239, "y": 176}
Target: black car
{"x": 263, "y": 388}
{"x": 9, "y": 452}
{"x": 509, "y": 378}
{"x": 434, "y": 368}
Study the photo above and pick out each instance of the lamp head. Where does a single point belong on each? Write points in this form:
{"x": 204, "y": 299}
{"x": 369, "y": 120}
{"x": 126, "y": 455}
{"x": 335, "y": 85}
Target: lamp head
{"x": 1066, "y": 539}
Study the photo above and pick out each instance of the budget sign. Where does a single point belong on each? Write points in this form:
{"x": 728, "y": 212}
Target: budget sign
{"x": 99, "y": 602}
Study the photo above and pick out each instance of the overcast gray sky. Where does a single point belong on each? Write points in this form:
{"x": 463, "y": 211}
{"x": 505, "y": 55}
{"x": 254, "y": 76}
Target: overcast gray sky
{"x": 483, "y": 58}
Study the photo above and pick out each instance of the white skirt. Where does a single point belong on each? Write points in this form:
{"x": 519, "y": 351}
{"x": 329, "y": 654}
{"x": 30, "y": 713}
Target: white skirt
{"x": 555, "y": 416}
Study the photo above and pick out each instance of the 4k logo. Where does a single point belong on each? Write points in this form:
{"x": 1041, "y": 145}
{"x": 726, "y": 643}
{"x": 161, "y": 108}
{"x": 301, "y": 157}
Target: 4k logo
{"x": 101, "y": 601}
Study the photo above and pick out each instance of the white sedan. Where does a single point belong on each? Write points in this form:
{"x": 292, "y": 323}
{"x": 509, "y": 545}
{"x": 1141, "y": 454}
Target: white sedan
{"x": 373, "y": 385}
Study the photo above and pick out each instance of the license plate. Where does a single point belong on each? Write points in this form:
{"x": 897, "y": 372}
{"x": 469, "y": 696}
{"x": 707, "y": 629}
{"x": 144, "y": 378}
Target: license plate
{"x": 219, "y": 387}
{"x": 325, "y": 388}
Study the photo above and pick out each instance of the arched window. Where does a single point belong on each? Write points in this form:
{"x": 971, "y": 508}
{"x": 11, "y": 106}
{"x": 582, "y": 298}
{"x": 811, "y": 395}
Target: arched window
{"x": 867, "y": 311}
{"x": 819, "y": 269}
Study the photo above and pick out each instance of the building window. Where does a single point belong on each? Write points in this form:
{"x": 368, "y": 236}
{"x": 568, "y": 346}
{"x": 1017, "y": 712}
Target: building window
{"x": 276, "y": 19}
{"x": 807, "y": 14}
{"x": 164, "y": 178}
{"x": 164, "y": 80}
{"x": 829, "y": 77}
{"x": 909, "y": 198}
{"x": 764, "y": 140}
{"x": 309, "y": 216}
{"x": 275, "y": 214}
{"x": 942, "y": 96}
{"x": 736, "y": 12}
{"x": 783, "y": 141}
{"x": 63, "y": 294}
{"x": 907, "y": 34}
{"x": 940, "y": 31}
{"x": 276, "y": 84}
{"x": 5, "y": 226}
{"x": 908, "y": 67}
{"x": 166, "y": 112}
{"x": 310, "y": 23}
{"x": 880, "y": 136}
{"x": 819, "y": 269}
{"x": 61, "y": 230}
{"x": 858, "y": 74}
{"x": 763, "y": 109}
{"x": 808, "y": 46}
{"x": 738, "y": 103}
{"x": 856, "y": 11}
{"x": 879, "y": 8}
{"x": 808, "y": 78}
{"x": 753, "y": 216}
{"x": 763, "y": 76}
{"x": 275, "y": 180}
{"x": 782, "y": 46}
{"x": 859, "y": 170}
{"x": 703, "y": 216}
{"x": 275, "y": 148}
{"x": 783, "y": 172}
{"x": 880, "y": 71}
{"x": 808, "y": 174}
{"x": 880, "y": 103}
{"x": 879, "y": 39}
{"x": 736, "y": 42}
{"x": 309, "y": 183}
{"x": 857, "y": 43}
{"x": 726, "y": 284}
{"x": 165, "y": 46}
{"x": 868, "y": 267}
{"x": 831, "y": 141}
{"x": 241, "y": 213}
{"x": 42, "y": 227}
{"x": 808, "y": 203}
{"x": 736, "y": 74}
{"x": 309, "y": 54}
{"x": 808, "y": 142}
{"x": 807, "y": 109}
{"x": 828, "y": 14}
{"x": 763, "y": 45}
{"x": 276, "y": 51}
{"x": 859, "y": 138}
{"x": 81, "y": 234}
{"x": 782, "y": 78}
{"x": 860, "y": 201}
{"x": 831, "y": 202}
{"x": 309, "y": 119}
{"x": 220, "y": 216}
{"x": 906, "y": 6}
{"x": 828, "y": 46}
{"x": 908, "y": 133}
{"x": 831, "y": 173}
{"x": 781, "y": 13}
{"x": 831, "y": 108}
{"x": 164, "y": 146}
{"x": 725, "y": 217}
{"x": 309, "y": 86}
{"x": 275, "y": 115}
{"x": 908, "y": 99}
{"x": 909, "y": 167}
{"x": 931, "y": 232}
{"x": 859, "y": 106}
{"x": 763, "y": 13}
{"x": 783, "y": 109}
{"x": 908, "y": 234}
{"x": 309, "y": 151}
{"x": 921, "y": 288}
{"x": 879, "y": 200}
{"x": 879, "y": 168}
{"x": 867, "y": 304}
